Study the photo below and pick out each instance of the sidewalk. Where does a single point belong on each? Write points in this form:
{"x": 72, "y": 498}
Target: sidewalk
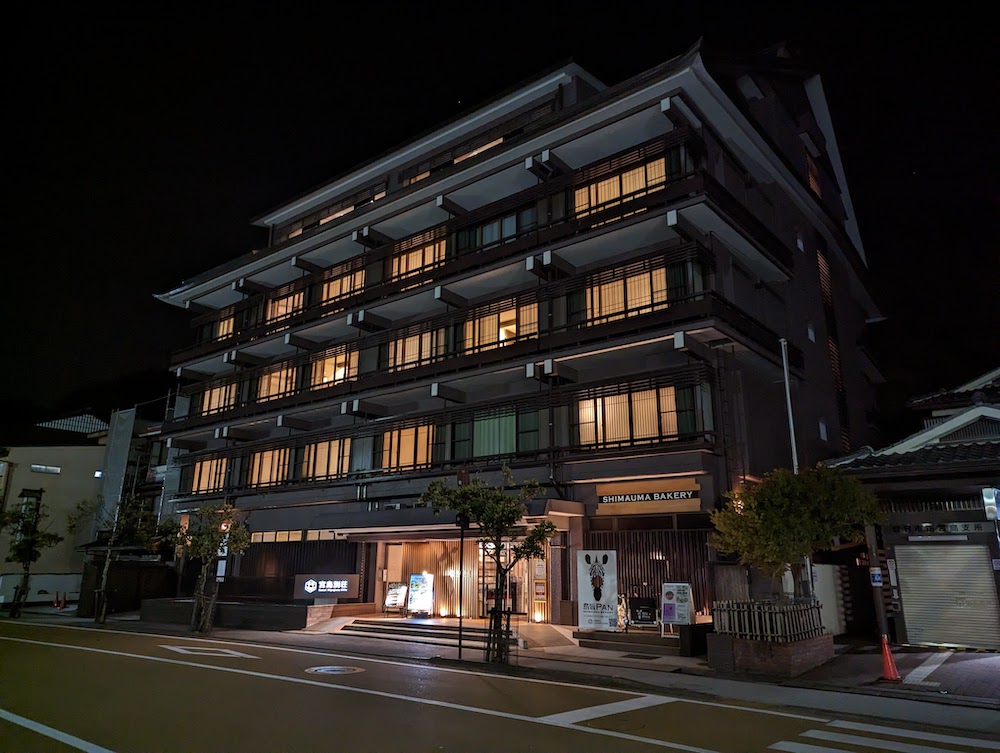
{"x": 967, "y": 695}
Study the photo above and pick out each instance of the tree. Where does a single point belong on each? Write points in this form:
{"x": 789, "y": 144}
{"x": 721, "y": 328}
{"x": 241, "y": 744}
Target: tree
{"x": 131, "y": 524}
{"x": 776, "y": 523}
{"x": 212, "y": 531}
{"x": 498, "y": 514}
{"x": 29, "y": 537}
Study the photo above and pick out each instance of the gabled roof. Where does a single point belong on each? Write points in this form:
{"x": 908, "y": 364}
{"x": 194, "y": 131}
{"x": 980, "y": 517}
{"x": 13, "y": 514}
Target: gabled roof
{"x": 987, "y": 384}
{"x": 970, "y": 439}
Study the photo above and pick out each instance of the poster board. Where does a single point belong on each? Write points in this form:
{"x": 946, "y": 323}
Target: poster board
{"x": 676, "y": 605}
{"x": 395, "y": 596}
{"x": 597, "y": 589}
{"x": 421, "y": 596}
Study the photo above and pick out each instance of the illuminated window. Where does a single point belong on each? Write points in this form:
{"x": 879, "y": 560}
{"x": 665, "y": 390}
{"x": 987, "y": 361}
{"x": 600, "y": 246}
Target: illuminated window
{"x": 478, "y": 150}
{"x": 332, "y": 213}
{"x": 218, "y": 398}
{"x": 224, "y": 328}
{"x": 343, "y": 286}
{"x": 495, "y": 435}
{"x": 268, "y": 467}
{"x": 636, "y": 182}
{"x": 282, "y": 308}
{"x": 643, "y": 416}
{"x": 495, "y": 330}
{"x": 407, "y": 352}
{"x": 335, "y": 369}
{"x": 634, "y": 295}
{"x": 326, "y": 459}
{"x": 415, "y": 260}
{"x": 416, "y": 178}
{"x": 813, "y": 171}
{"x": 406, "y": 448}
{"x": 275, "y": 384}
{"x": 53, "y": 469}
{"x": 208, "y": 475}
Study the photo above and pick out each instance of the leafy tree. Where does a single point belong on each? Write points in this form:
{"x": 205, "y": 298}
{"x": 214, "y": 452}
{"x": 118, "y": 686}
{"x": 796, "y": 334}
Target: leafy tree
{"x": 497, "y": 513}
{"x": 212, "y": 531}
{"x": 774, "y": 524}
{"x": 132, "y": 523}
{"x": 29, "y": 537}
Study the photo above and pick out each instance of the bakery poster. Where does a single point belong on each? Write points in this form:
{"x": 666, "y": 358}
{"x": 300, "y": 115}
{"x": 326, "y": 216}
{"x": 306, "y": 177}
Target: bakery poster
{"x": 597, "y": 589}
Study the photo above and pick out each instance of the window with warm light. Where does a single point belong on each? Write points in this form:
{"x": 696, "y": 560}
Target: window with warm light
{"x": 335, "y": 369}
{"x": 407, "y": 352}
{"x": 329, "y": 459}
{"x": 624, "y": 186}
{"x": 268, "y": 467}
{"x": 343, "y": 286}
{"x": 495, "y": 330}
{"x": 643, "y": 416}
{"x": 218, "y": 398}
{"x": 224, "y": 328}
{"x": 812, "y": 170}
{"x": 274, "y": 384}
{"x": 406, "y": 448}
{"x": 415, "y": 260}
{"x": 282, "y": 308}
{"x": 208, "y": 476}
{"x": 478, "y": 150}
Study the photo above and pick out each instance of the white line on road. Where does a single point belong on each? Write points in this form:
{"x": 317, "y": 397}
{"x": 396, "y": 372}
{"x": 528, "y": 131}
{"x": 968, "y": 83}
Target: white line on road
{"x": 971, "y": 742}
{"x": 790, "y": 747}
{"x": 55, "y": 734}
{"x": 354, "y": 657}
{"x": 871, "y": 743}
{"x": 921, "y": 673}
{"x": 607, "y": 709}
{"x": 367, "y": 691}
{"x": 209, "y": 651}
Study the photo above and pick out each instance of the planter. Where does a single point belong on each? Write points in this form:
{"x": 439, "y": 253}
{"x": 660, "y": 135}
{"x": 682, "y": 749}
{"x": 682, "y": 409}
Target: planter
{"x": 790, "y": 659}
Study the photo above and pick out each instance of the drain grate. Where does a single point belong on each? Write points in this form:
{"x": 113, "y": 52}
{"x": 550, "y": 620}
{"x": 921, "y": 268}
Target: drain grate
{"x": 647, "y": 657}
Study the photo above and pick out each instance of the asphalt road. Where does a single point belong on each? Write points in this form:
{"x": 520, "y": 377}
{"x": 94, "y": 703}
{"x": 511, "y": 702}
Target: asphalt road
{"x": 68, "y": 688}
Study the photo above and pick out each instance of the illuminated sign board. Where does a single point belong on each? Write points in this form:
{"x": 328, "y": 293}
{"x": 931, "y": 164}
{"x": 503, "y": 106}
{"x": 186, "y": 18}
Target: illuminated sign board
{"x": 421, "y": 596}
{"x": 322, "y": 585}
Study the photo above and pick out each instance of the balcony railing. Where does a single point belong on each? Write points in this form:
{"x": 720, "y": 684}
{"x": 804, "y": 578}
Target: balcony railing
{"x": 560, "y": 400}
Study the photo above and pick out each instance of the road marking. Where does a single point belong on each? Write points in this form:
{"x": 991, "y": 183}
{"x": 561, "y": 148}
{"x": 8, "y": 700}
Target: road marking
{"x": 917, "y": 676}
{"x": 209, "y": 651}
{"x": 971, "y": 742}
{"x": 55, "y": 734}
{"x": 354, "y": 657}
{"x": 755, "y": 710}
{"x": 869, "y": 743}
{"x": 606, "y": 709}
{"x": 366, "y": 691}
{"x": 791, "y": 747}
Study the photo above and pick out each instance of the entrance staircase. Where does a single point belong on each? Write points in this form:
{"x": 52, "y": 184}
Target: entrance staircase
{"x": 645, "y": 642}
{"x": 433, "y": 632}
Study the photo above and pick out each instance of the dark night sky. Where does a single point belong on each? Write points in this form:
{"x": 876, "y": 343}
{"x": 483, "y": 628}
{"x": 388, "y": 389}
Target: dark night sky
{"x": 140, "y": 150}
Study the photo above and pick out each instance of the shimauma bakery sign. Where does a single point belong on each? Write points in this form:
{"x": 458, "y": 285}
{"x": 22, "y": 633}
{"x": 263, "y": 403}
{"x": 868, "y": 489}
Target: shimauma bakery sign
{"x": 669, "y": 495}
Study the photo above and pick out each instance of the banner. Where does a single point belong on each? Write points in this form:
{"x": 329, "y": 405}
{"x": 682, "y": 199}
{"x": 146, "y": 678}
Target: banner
{"x": 597, "y": 589}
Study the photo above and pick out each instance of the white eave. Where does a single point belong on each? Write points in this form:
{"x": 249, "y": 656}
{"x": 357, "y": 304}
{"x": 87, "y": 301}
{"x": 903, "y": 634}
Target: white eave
{"x": 933, "y": 434}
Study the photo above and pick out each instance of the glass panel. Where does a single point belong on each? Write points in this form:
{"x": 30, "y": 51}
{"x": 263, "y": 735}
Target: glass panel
{"x": 281, "y": 308}
{"x": 335, "y": 369}
{"x": 644, "y": 415}
{"x": 616, "y": 419}
{"x": 276, "y": 384}
{"x": 668, "y": 412}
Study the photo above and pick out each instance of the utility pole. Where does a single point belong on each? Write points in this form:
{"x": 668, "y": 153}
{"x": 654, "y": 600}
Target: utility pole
{"x": 791, "y": 436}
{"x": 462, "y": 521}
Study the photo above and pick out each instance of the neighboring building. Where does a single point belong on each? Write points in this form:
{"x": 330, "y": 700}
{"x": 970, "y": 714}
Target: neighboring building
{"x": 65, "y": 459}
{"x": 939, "y": 488}
{"x": 585, "y": 283}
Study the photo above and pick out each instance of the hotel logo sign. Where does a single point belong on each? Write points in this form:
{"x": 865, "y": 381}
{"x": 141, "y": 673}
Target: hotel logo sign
{"x": 316, "y": 585}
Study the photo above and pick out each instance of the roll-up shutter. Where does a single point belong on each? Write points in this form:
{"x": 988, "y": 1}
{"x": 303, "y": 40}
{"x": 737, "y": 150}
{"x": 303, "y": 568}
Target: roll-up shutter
{"x": 949, "y": 595}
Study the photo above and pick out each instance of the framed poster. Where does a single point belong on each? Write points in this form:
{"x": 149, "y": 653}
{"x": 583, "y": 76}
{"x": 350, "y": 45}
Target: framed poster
{"x": 597, "y": 589}
{"x": 539, "y": 590}
{"x": 395, "y": 596}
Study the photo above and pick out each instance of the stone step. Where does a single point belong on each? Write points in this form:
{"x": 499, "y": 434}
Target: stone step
{"x": 628, "y": 639}
{"x": 416, "y": 626}
{"x": 666, "y": 649}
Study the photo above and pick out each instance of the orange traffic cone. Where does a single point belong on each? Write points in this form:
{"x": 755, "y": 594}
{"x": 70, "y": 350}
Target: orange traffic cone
{"x": 55, "y": 601}
{"x": 62, "y": 601}
{"x": 889, "y": 671}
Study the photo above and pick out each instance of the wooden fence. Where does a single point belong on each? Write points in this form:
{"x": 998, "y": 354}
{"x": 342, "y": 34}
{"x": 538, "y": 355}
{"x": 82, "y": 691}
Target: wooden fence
{"x": 768, "y": 621}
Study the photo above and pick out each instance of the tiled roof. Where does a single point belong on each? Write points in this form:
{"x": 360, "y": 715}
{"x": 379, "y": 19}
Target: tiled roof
{"x": 951, "y": 454}
{"x": 987, "y": 386}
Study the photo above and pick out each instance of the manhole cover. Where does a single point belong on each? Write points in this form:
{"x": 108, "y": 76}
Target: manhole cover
{"x": 647, "y": 657}
{"x": 334, "y": 670}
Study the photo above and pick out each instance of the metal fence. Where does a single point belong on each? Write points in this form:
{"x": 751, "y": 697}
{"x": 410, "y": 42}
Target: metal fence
{"x": 768, "y": 621}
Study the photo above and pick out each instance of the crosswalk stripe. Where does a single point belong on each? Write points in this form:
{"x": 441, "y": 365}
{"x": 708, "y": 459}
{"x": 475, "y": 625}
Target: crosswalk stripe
{"x": 971, "y": 742}
{"x": 871, "y": 743}
{"x": 791, "y": 747}
{"x": 608, "y": 709}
